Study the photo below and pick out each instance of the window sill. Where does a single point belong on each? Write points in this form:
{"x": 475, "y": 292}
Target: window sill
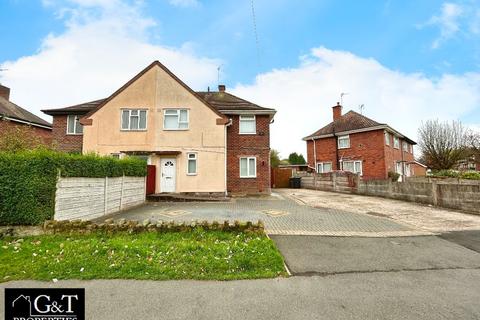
{"x": 136, "y": 130}
{"x": 74, "y": 134}
{"x": 248, "y": 134}
{"x": 175, "y": 129}
{"x": 192, "y": 174}
{"x": 248, "y": 177}
{"x": 340, "y": 148}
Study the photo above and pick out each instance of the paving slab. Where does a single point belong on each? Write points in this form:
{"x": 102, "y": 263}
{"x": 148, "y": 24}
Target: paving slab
{"x": 307, "y": 255}
{"x": 281, "y": 215}
{"x": 428, "y": 295}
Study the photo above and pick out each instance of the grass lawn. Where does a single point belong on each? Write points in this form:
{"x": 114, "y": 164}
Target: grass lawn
{"x": 149, "y": 255}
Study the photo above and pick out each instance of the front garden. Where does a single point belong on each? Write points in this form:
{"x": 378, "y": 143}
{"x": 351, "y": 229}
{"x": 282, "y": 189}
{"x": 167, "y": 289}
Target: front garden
{"x": 196, "y": 253}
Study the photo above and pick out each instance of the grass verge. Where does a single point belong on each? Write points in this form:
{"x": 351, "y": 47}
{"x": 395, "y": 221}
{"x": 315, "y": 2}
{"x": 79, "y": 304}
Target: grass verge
{"x": 198, "y": 254}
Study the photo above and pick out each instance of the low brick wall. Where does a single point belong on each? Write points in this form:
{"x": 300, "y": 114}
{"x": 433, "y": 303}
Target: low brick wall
{"x": 90, "y": 198}
{"x": 460, "y": 195}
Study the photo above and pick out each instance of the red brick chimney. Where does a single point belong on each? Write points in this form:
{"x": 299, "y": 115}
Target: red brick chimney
{"x": 4, "y": 92}
{"x": 221, "y": 88}
{"x": 337, "y": 111}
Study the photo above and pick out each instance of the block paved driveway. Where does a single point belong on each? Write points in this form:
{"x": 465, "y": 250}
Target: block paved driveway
{"x": 280, "y": 213}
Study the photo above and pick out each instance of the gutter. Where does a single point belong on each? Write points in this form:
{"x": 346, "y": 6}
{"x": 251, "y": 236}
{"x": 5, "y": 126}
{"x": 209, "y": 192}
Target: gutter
{"x": 25, "y": 122}
{"x": 228, "y": 124}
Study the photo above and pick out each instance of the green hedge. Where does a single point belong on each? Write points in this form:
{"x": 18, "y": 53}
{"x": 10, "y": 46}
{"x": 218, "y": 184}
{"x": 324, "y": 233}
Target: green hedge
{"x": 28, "y": 180}
{"x": 471, "y": 175}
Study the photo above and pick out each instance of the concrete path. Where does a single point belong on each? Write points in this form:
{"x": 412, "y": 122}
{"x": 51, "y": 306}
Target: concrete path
{"x": 436, "y": 294}
{"x": 416, "y": 216}
{"x": 281, "y": 215}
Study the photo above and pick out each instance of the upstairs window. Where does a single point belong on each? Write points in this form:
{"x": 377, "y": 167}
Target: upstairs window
{"x": 73, "y": 125}
{"x": 134, "y": 119}
{"x": 396, "y": 142}
{"x": 175, "y": 119}
{"x": 343, "y": 142}
{"x": 191, "y": 164}
{"x": 405, "y": 147}
{"x": 324, "y": 167}
{"x": 387, "y": 138}
{"x": 248, "y": 125}
{"x": 248, "y": 167}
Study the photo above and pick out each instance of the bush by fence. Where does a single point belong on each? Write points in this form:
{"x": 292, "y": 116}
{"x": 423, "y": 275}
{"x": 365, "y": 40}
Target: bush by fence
{"x": 28, "y": 180}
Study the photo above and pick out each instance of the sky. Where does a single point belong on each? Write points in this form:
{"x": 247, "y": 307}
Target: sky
{"x": 405, "y": 61}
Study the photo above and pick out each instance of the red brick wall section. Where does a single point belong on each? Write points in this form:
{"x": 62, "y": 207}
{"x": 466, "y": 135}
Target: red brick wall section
{"x": 377, "y": 158}
{"x": 44, "y": 134}
{"x": 257, "y": 145}
{"x": 63, "y": 141}
{"x": 392, "y": 155}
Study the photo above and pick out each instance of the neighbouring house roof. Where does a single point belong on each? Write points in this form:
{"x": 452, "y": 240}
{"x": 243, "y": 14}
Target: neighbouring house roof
{"x": 228, "y": 103}
{"x": 82, "y": 108}
{"x": 13, "y": 112}
{"x": 352, "y": 122}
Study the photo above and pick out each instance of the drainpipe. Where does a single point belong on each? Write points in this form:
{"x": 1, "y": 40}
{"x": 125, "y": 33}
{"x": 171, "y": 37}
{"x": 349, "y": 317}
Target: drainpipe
{"x": 314, "y": 154}
{"x": 403, "y": 161}
{"x": 227, "y": 125}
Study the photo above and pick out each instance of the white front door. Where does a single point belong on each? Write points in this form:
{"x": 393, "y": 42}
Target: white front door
{"x": 167, "y": 182}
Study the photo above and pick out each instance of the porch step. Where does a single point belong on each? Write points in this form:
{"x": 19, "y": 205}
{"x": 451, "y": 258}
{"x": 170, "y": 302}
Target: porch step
{"x": 178, "y": 197}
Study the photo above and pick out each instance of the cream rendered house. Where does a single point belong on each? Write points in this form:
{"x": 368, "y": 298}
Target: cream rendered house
{"x": 157, "y": 115}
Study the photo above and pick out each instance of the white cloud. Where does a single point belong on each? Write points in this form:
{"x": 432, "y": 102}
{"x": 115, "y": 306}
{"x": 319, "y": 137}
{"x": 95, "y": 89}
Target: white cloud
{"x": 184, "y": 3}
{"x": 455, "y": 19}
{"x": 105, "y": 43}
{"x": 303, "y": 96}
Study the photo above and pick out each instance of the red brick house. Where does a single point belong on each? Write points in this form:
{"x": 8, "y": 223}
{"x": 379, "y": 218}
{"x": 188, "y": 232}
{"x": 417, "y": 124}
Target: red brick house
{"x": 13, "y": 116}
{"x": 199, "y": 142}
{"x": 355, "y": 143}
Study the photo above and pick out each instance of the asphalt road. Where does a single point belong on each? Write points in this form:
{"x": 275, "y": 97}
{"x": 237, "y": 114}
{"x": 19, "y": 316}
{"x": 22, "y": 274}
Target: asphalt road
{"x": 309, "y": 255}
{"x": 469, "y": 239}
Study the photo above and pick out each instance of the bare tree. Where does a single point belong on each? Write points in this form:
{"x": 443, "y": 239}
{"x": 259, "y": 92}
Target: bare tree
{"x": 443, "y": 144}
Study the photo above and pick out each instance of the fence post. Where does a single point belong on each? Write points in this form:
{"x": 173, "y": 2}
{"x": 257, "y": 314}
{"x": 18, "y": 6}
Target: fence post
{"x": 434, "y": 192}
{"x": 105, "y": 196}
{"x": 390, "y": 188}
{"x": 334, "y": 181}
{"x": 121, "y": 193}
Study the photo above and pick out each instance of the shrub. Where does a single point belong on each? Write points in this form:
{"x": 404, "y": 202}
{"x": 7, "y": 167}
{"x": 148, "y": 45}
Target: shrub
{"x": 393, "y": 175}
{"x": 472, "y": 175}
{"x": 446, "y": 173}
{"x": 28, "y": 180}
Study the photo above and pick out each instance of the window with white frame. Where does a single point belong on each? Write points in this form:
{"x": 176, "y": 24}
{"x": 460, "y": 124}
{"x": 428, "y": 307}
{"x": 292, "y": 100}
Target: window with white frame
{"x": 324, "y": 167}
{"x": 396, "y": 142}
{"x": 387, "y": 138}
{"x": 411, "y": 148}
{"x": 405, "y": 146}
{"x": 352, "y": 166}
{"x": 175, "y": 119}
{"x": 134, "y": 119}
{"x": 248, "y": 124}
{"x": 343, "y": 142}
{"x": 191, "y": 163}
{"x": 408, "y": 170}
{"x": 248, "y": 167}
{"x": 73, "y": 125}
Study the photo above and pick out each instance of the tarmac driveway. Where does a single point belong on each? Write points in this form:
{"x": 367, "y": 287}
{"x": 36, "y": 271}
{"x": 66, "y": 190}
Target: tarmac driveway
{"x": 281, "y": 215}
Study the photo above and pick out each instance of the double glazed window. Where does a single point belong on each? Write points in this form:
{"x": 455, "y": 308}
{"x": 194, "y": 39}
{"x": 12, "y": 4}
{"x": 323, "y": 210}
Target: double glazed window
{"x": 175, "y": 119}
{"x": 343, "y": 142}
{"x": 387, "y": 138}
{"x": 191, "y": 164}
{"x": 134, "y": 119}
{"x": 396, "y": 142}
{"x": 248, "y": 124}
{"x": 73, "y": 125}
{"x": 324, "y": 167}
{"x": 248, "y": 167}
{"x": 405, "y": 147}
{"x": 352, "y": 166}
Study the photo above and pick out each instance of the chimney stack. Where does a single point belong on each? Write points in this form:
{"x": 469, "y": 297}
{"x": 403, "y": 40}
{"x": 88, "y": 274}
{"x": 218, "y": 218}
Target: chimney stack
{"x": 4, "y": 92}
{"x": 337, "y": 111}
{"x": 221, "y": 88}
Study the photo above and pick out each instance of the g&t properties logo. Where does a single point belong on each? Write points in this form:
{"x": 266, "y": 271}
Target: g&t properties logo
{"x": 44, "y": 304}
